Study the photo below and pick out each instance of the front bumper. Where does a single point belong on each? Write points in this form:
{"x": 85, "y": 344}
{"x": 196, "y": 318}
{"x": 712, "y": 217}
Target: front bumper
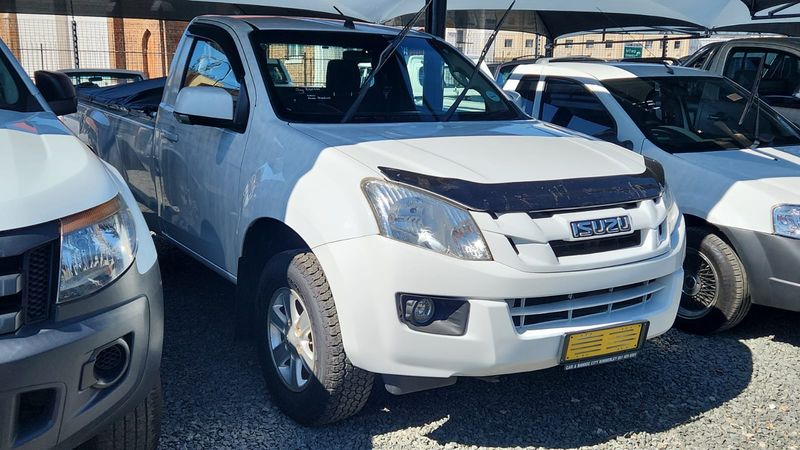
{"x": 42, "y": 404}
{"x": 773, "y": 267}
{"x": 366, "y": 274}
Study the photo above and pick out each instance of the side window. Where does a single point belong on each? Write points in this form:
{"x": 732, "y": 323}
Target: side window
{"x": 527, "y": 89}
{"x": 209, "y": 66}
{"x": 699, "y": 59}
{"x": 781, "y": 76}
{"x": 505, "y": 73}
{"x": 569, "y": 104}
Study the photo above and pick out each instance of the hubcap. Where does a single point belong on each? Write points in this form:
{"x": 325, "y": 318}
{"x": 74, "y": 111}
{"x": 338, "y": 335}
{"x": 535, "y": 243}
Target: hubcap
{"x": 700, "y": 285}
{"x": 290, "y": 339}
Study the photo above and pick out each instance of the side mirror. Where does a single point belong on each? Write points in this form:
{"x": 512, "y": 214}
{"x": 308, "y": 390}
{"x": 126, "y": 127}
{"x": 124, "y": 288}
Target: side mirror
{"x": 205, "y": 105}
{"x": 515, "y": 97}
{"x": 58, "y": 91}
{"x": 627, "y": 144}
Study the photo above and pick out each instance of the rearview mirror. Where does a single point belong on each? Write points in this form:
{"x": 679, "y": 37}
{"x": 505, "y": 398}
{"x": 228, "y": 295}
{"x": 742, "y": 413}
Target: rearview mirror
{"x": 58, "y": 92}
{"x": 205, "y": 105}
{"x": 515, "y": 97}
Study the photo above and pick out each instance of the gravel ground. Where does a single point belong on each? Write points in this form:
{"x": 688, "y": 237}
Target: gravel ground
{"x": 736, "y": 390}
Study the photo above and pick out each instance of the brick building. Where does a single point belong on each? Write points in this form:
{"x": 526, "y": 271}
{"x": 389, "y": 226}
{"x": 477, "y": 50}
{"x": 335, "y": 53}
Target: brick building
{"x": 48, "y": 42}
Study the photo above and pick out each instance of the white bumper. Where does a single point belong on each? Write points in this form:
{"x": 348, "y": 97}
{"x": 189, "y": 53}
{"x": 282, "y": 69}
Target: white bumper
{"x": 366, "y": 274}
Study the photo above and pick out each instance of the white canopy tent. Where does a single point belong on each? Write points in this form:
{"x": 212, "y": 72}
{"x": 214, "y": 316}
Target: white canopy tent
{"x": 552, "y": 18}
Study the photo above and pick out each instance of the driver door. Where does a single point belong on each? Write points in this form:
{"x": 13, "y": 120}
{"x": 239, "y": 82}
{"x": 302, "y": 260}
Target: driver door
{"x": 201, "y": 164}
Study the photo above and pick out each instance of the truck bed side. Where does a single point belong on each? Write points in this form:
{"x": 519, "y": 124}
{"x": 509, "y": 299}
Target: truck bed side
{"x": 121, "y": 132}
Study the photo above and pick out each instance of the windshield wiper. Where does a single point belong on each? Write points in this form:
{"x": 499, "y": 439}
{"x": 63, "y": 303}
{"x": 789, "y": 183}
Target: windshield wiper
{"x": 449, "y": 114}
{"x": 755, "y": 99}
{"x": 387, "y": 53}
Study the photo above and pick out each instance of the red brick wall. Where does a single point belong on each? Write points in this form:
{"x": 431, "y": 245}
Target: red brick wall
{"x": 144, "y": 45}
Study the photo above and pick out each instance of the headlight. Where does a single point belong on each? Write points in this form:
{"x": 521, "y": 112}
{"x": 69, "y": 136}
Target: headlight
{"x": 425, "y": 220}
{"x": 673, "y": 212}
{"x": 786, "y": 220}
{"x": 97, "y": 246}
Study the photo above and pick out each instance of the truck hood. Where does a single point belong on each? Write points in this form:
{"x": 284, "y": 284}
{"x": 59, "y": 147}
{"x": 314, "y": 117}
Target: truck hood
{"x": 774, "y": 171}
{"x": 481, "y": 152}
{"x": 45, "y": 172}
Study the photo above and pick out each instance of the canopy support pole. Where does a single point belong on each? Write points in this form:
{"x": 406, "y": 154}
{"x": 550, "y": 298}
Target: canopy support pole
{"x": 435, "y": 18}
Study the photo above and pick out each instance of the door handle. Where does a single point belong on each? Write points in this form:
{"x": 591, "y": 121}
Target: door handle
{"x": 172, "y": 137}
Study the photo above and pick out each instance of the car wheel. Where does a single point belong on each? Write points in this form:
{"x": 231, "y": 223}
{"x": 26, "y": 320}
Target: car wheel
{"x": 715, "y": 293}
{"x": 300, "y": 344}
{"x": 140, "y": 429}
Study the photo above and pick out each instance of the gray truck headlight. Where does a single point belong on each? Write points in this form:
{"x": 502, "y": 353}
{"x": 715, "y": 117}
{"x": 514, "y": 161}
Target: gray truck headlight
{"x": 97, "y": 246}
{"x": 786, "y": 220}
{"x": 425, "y": 220}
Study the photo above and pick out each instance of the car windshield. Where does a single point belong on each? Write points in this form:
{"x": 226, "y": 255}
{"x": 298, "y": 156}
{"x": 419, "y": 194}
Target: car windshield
{"x": 316, "y": 77}
{"x": 14, "y": 94}
{"x": 694, "y": 114}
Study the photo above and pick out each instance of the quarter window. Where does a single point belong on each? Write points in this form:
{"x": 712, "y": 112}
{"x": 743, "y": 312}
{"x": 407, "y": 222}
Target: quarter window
{"x": 527, "y": 89}
{"x": 569, "y": 104}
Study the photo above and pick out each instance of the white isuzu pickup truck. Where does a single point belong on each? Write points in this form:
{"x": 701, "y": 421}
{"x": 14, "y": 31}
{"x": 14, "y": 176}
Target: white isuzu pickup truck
{"x": 81, "y": 315}
{"x": 379, "y": 226}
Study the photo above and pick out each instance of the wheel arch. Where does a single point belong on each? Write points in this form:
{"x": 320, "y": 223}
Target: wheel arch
{"x": 265, "y": 237}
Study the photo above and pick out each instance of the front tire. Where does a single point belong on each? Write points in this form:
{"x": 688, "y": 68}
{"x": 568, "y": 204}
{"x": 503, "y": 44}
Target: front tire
{"x": 715, "y": 290}
{"x": 300, "y": 344}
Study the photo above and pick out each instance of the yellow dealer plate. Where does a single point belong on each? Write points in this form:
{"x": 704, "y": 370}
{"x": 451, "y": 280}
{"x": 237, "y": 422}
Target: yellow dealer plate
{"x": 602, "y": 346}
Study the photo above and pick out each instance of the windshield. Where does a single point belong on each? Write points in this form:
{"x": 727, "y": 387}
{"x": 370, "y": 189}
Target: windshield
{"x": 316, "y": 77}
{"x": 14, "y": 94}
{"x": 694, "y": 114}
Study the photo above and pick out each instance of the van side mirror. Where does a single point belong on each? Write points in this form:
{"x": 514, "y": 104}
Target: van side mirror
{"x": 204, "y": 105}
{"x": 58, "y": 92}
{"x": 627, "y": 144}
{"x": 515, "y": 97}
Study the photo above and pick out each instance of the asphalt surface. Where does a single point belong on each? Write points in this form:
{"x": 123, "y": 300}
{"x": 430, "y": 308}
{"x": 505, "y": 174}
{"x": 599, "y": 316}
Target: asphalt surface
{"x": 740, "y": 389}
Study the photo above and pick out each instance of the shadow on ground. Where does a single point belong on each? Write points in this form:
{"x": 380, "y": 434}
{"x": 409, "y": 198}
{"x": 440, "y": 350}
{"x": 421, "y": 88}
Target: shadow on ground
{"x": 215, "y": 395}
{"x": 781, "y": 326}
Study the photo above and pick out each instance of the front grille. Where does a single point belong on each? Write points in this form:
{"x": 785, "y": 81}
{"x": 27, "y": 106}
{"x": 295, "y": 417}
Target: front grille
{"x": 28, "y": 277}
{"x": 574, "y": 248}
{"x": 530, "y": 313}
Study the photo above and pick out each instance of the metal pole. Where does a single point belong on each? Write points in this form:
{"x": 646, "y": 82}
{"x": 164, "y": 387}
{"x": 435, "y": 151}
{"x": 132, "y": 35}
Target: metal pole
{"x": 436, "y": 17}
{"x": 41, "y": 54}
{"x": 75, "y": 52}
{"x": 664, "y": 47}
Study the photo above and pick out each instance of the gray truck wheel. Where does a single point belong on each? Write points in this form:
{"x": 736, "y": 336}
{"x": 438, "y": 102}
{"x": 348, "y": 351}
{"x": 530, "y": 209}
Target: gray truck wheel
{"x": 715, "y": 293}
{"x": 140, "y": 429}
{"x": 300, "y": 344}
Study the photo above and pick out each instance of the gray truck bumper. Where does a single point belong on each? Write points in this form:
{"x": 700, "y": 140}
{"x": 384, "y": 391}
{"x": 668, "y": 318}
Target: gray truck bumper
{"x": 48, "y": 398}
{"x": 773, "y": 267}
